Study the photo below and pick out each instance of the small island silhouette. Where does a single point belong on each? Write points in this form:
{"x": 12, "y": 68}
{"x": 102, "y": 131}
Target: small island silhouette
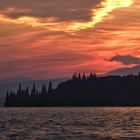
{"x": 80, "y": 91}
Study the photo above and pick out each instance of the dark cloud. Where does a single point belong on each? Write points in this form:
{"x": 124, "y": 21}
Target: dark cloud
{"x": 126, "y": 59}
{"x": 63, "y": 10}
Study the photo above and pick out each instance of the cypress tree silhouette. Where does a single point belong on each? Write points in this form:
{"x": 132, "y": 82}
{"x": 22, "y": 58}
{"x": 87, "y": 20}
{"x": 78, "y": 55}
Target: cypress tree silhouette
{"x": 50, "y": 87}
{"x": 6, "y": 99}
{"x": 27, "y": 91}
{"x": 33, "y": 98}
{"x": 139, "y": 74}
{"x": 19, "y": 90}
{"x": 74, "y": 77}
{"x": 94, "y": 76}
{"x": 90, "y": 76}
{"x": 84, "y": 76}
{"x": 79, "y": 76}
{"x": 33, "y": 91}
{"x": 44, "y": 89}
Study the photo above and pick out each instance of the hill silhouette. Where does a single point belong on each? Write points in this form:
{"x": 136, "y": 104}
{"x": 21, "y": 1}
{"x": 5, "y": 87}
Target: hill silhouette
{"x": 125, "y": 71}
{"x": 81, "y": 91}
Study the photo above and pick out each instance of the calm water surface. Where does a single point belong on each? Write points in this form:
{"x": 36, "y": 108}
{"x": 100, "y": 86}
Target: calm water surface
{"x": 69, "y": 123}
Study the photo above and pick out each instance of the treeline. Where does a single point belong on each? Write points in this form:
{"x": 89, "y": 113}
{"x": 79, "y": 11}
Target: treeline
{"x": 81, "y": 91}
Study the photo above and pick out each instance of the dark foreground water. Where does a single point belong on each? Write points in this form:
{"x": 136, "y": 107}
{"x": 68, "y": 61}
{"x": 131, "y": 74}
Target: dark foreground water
{"x": 69, "y": 123}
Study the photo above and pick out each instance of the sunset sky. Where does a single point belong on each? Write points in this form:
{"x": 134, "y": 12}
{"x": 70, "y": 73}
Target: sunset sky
{"x": 43, "y": 39}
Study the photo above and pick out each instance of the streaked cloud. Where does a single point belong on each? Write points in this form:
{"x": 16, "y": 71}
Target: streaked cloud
{"x": 49, "y": 38}
{"x": 66, "y": 16}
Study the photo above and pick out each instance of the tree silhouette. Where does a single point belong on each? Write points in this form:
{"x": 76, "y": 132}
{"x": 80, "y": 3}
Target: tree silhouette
{"x": 79, "y": 76}
{"x": 84, "y": 76}
{"x": 44, "y": 89}
{"x": 50, "y": 87}
{"x": 81, "y": 91}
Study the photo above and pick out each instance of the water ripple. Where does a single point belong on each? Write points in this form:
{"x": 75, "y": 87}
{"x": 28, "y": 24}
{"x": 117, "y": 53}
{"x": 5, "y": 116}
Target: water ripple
{"x": 69, "y": 123}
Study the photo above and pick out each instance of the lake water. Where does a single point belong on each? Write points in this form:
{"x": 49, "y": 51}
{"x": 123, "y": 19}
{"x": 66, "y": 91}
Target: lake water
{"x": 69, "y": 123}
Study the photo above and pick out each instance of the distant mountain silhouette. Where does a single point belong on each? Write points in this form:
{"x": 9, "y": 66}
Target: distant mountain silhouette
{"x": 15, "y": 80}
{"x": 80, "y": 90}
{"x": 125, "y": 71}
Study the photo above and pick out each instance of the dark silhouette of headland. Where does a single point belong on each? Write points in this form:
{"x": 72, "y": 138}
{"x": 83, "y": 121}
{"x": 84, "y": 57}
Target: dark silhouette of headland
{"x": 80, "y": 90}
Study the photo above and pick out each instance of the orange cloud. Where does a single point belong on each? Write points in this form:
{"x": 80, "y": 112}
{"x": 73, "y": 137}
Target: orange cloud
{"x": 43, "y": 47}
{"x": 97, "y": 15}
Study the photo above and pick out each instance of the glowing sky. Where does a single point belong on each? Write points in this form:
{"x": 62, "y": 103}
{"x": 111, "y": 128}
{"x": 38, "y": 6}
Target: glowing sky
{"x": 55, "y": 38}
